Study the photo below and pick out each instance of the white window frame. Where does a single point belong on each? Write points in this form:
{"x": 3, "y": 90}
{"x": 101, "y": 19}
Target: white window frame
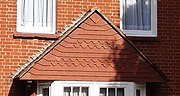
{"x": 142, "y": 33}
{"x": 56, "y": 88}
{"x": 43, "y": 30}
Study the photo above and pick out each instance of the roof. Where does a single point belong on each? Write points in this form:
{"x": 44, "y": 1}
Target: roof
{"x": 91, "y": 49}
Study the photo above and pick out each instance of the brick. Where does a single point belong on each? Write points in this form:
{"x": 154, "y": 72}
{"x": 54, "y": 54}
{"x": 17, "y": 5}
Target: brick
{"x": 166, "y": 56}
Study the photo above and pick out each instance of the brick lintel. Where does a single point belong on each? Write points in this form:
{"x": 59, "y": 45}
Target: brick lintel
{"x": 35, "y": 35}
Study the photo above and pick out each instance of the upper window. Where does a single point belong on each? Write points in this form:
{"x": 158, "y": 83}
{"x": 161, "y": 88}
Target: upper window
{"x": 78, "y": 88}
{"x": 139, "y": 17}
{"x": 36, "y": 16}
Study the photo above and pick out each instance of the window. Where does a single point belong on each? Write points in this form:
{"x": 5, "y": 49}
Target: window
{"x": 139, "y": 17}
{"x": 76, "y": 91}
{"x": 36, "y": 16}
{"x": 78, "y": 88}
{"x": 111, "y": 92}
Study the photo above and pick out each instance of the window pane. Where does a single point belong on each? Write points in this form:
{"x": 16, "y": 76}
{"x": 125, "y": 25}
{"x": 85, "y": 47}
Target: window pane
{"x": 120, "y": 91}
{"x": 45, "y": 91}
{"x": 27, "y": 12}
{"x": 137, "y": 14}
{"x": 37, "y": 13}
{"x": 103, "y": 91}
{"x": 111, "y": 92}
{"x": 67, "y": 91}
{"x": 75, "y": 91}
{"x": 85, "y": 91}
{"x": 138, "y": 92}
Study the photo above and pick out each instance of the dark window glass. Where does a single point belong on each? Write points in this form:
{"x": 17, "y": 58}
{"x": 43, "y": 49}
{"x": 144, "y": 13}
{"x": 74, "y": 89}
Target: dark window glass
{"x": 67, "y": 91}
{"x": 120, "y": 91}
{"x": 76, "y": 91}
{"x": 85, "y": 91}
{"x": 102, "y": 91}
{"x": 45, "y": 91}
{"x": 138, "y": 92}
{"x": 111, "y": 92}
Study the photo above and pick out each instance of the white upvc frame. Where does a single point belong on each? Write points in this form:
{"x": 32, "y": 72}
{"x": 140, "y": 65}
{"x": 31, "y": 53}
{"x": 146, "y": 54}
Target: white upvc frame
{"x": 142, "y": 33}
{"x": 43, "y": 30}
{"x": 56, "y": 88}
{"x": 128, "y": 87}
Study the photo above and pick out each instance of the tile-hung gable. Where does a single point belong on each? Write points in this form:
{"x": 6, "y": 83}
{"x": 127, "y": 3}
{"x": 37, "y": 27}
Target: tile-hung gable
{"x": 93, "y": 49}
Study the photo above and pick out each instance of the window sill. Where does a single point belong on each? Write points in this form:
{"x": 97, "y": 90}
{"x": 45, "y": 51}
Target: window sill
{"x": 140, "y": 33}
{"x": 35, "y": 35}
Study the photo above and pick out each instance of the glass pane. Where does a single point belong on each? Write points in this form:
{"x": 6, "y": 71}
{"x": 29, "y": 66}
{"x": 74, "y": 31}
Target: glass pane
{"x": 67, "y": 91}
{"x": 120, "y": 91}
{"x": 138, "y": 92}
{"x": 137, "y": 14}
{"x": 85, "y": 91}
{"x": 102, "y": 92}
{"x": 75, "y": 91}
{"x": 37, "y": 12}
{"x": 45, "y": 91}
{"x": 27, "y": 12}
{"x": 111, "y": 92}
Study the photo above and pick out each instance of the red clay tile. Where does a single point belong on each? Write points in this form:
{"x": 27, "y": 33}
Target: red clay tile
{"x": 95, "y": 18}
{"x": 93, "y": 51}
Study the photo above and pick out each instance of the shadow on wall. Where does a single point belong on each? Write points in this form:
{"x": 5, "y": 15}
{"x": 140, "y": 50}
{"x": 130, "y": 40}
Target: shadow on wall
{"x": 22, "y": 88}
{"x": 128, "y": 66}
{"x": 125, "y": 60}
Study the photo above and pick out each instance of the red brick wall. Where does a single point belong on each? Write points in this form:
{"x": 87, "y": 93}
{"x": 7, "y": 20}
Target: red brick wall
{"x": 13, "y": 51}
{"x": 164, "y": 50}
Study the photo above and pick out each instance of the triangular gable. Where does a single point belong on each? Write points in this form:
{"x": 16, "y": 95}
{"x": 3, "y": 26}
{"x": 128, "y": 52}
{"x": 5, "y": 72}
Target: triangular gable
{"x": 92, "y": 50}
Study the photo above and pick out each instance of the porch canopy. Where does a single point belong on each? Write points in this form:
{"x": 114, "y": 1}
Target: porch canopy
{"x": 91, "y": 49}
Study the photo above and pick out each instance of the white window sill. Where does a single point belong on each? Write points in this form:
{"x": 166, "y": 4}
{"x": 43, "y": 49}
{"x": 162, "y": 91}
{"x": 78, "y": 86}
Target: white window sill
{"x": 135, "y": 33}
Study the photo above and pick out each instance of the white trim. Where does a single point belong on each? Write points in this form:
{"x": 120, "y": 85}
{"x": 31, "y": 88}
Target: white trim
{"x": 142, "y": 33}
{"x": 54, "y": 17}
{"x": 29, "y": 29}
{"x": 57, "y": 87}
